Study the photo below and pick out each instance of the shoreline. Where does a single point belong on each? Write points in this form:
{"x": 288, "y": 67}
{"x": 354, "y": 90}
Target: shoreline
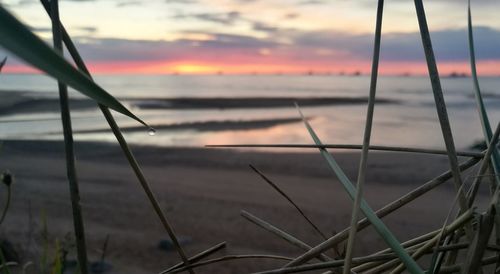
{"x": 29, "y": 102}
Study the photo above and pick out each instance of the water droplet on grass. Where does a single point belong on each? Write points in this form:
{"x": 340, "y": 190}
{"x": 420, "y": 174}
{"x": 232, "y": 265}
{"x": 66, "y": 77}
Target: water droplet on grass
{"x": 152, "y": 132}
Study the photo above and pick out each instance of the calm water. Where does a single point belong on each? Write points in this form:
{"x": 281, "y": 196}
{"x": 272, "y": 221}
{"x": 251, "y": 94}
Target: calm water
{"x": 410, "y": 122}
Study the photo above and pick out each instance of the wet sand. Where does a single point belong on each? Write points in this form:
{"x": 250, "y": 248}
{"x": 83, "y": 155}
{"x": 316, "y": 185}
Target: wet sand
{"x": 206, "y": 125}
{"x": 42, "y": 102}
{"x": 202, "y": 192}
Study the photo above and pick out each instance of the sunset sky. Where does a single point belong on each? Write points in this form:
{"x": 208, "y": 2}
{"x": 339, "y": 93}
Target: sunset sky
{"x": 264, "y": 36}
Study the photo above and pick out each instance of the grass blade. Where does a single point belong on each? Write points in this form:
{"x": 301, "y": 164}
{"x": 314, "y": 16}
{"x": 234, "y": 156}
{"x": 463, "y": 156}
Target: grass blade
{"x": 273, "y": 185}
{"x": 280, "y": 233}
{"x": 461, "y": 221}
{"x": 366, "y": 140}
{"x": 434, "y": 260}
{"x": 480, "y": 242}
{"x": 386, "y": 210}
{"x": 331, "y": 264}
{"x": 471, "y": 194}
{"x": 472, "y": 154}
{"x": 440, "y": 103}
{"x": 483, "y": 115}
{"x": 197, "y": 257}
{"x": 18, "y": 39}
{"x": 379, "y": 226}
{"x": 484, "y": 167}
{"x": 123, "y": 144}
{"x": 2, "y": 64}
{"x": 231, "y": 258}
{"x": 6, "y": 179}
{"x": 69, "y": 149}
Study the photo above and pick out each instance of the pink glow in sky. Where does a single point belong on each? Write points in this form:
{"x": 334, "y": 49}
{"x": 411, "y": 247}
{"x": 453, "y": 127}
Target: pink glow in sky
{"x": 257, "y": 36}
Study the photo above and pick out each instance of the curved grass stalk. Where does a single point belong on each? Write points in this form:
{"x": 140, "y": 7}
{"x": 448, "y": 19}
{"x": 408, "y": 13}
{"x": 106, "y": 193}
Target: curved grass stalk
{"x": 231, "y": 258}
{"x": 459, "y": 222}
{"x": 477, "y": 249}
{"x": 386, "y": 210}
{"x": 484, "y": 167}
{"x": 456, "y": 268}
{"x": 197, "y": 257}
{"x": 410, "y": 245}
{"x": 373, "y": 267}
{"x": 366, "y": 141}
{"x": 379, "y": 226}
{"x": 282, "y": 193}
{"x": 483, "y": 115}
{"x": 471, "y": 194}
{"x": 18, "y": 39}
{"x": 327, "y": 265}
{"x": 351, "y": 146}
{"x": 69, "y": 149}
{"x": 123, "y": 143}
{"x": 280, "y": 233}
{"x": 479, "y": 244}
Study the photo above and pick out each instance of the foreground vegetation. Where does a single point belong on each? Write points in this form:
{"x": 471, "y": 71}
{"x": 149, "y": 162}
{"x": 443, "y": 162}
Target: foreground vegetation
{"x": 466, "y": 235}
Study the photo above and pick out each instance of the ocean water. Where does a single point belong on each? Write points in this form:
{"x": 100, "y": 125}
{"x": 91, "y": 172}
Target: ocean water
{"x": 410, "y": 119}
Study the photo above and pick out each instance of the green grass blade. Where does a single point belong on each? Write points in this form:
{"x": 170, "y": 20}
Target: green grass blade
{"x": 57, "y": 267}
{"x": 379, "y": 226}
{"x": 366, "y": 140}
{"x": 18, "y": 39}
{"x": 483, "y": 115}
{"x": 385, "y": 211}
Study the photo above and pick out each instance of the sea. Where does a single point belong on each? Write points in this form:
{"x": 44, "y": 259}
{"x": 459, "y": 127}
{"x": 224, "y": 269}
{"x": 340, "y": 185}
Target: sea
{"x": 408, "y": 118}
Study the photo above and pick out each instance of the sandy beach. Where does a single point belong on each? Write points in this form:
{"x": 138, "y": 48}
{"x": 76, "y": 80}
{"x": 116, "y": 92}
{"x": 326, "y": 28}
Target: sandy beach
{"x": 202, "y": 191}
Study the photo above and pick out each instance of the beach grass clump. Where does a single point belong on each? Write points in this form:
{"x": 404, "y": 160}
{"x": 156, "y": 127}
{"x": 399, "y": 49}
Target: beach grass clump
{"x": 468, "y": 231}
{"x": 17, "y": 38}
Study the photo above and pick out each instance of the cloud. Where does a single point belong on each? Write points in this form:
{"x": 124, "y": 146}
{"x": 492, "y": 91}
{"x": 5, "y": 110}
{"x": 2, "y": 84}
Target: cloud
{"x": 122, "y": 4}
{"x": 84, "y": 29}
{"x": 40, "y": 29}
{"x": 87, "y": 29}
{"x": 311, "y": 2}
{"x": 291, "y": 15}
{"x": 226, "y": 18}
{"x": 316, "y": 47}
{"x": 181, "y": 1}
{"x": 259, "y": 26}
{"x": 449, "y": 45}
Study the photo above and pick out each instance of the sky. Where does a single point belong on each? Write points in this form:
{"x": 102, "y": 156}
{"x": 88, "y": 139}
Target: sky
{"x": 264, "y": 36}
